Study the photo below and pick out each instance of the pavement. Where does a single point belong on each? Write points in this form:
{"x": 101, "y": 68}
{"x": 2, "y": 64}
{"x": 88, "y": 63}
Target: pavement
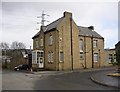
{"x": 102, "y": 78}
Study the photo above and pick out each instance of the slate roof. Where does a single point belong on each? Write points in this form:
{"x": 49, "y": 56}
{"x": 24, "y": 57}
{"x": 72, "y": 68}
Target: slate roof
{"x": 53, "y": 24}
{"x": 117, "y": 43}
{"x": 85, "y": 31}
{"x": 50, "y": 26}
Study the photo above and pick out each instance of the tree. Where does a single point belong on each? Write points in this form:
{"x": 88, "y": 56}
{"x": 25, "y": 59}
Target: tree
{"x": 21, "y": 45}
{"x": 18, "y": 45}
{"x": 4, "y": 45}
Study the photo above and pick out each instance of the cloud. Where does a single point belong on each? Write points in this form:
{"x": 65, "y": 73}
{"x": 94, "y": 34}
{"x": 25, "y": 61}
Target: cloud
{"x": 19, "y": 19}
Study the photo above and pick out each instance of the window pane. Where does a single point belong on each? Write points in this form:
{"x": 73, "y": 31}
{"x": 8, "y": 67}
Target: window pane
{"x": 41, "y": 54}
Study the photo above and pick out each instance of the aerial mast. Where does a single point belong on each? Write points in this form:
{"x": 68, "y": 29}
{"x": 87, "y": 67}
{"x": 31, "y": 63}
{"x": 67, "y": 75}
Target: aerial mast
{"x": 42, "y": 19}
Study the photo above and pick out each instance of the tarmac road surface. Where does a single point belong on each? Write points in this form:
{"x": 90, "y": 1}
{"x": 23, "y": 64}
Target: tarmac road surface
{"x": 13, "y": 80}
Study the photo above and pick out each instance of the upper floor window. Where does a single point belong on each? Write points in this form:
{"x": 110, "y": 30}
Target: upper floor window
{"x": 41, "y": 42}
{"x": 36, "y": 43}
{"x": 50, "y": 39}
{"x": 81, "y": 45}
{"x": 95, "y": 43}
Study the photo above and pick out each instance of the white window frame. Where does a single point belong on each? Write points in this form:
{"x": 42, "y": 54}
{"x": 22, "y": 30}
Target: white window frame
{"x": 96, "y": 57}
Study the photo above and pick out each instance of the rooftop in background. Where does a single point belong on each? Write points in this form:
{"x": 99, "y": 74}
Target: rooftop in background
{"x": 88, "y": 31}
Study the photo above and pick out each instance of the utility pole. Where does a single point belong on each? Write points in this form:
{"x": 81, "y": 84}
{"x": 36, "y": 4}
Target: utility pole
{"x": 42, "y": 18}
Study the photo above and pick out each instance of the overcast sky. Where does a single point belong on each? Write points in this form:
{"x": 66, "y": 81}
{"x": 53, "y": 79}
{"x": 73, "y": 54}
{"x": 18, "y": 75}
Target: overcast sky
{"x": 19, "y": 18}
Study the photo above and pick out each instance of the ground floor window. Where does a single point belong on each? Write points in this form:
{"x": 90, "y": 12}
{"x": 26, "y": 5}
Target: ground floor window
{"x": 95, "y": 57}
{"x": 50, "y": 57}
{"x": 81, "y": 56}
{"x": 61, "y": 56}
{"x": 110, "y": 58}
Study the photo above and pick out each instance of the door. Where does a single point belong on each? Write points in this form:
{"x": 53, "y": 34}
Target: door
{"x": 40, "y": 59}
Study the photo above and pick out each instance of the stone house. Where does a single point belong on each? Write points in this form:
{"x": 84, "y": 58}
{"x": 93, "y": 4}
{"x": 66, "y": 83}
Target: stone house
{"x": 117, "y": 49}
{"x": 15, "y": 57}
{"x": 63, "y": 45}
{"x": 110, "y": 56}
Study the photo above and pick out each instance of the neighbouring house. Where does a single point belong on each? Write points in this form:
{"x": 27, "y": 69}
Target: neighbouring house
{"x": 63, "y": 45}
{"x": 117, "y": 49}
{"x": 110, "y": 57}
{"x": 6, "y": 60}
{"x": 15, "y": 57}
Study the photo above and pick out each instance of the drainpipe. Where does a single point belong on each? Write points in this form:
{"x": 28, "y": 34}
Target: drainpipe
{"x": 71, "y": 42}
{"x": 85, "y": 50}
{"x": 58, "y": 52}
{"x": 99, "y": 58}
{"x": 92, "y": 51}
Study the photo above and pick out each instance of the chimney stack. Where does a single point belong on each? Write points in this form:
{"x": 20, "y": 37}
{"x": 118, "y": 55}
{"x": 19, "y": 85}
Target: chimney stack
{"x": 91, "y": 27}
{"x": 67, "y": 14}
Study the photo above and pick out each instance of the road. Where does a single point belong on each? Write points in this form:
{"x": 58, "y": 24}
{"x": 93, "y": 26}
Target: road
{"x": 12, "y": 80}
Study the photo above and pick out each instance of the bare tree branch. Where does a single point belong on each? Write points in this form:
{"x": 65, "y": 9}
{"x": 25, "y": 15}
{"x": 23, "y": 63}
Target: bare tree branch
{"x": 17, "y": 45}
{"x": 4, "y": 45}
